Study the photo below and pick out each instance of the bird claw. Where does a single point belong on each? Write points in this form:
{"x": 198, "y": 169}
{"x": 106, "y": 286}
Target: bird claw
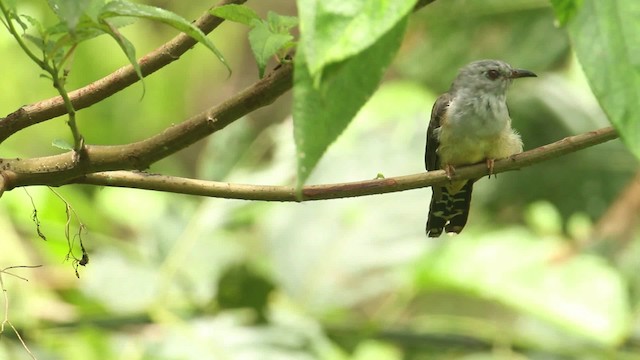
{"x": 490, "y": 163}
{"x": 450, "y": 171}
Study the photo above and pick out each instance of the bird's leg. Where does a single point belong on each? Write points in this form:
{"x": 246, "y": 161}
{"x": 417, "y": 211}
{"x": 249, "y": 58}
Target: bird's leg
{"x": 490, "y": 163}
{"x": 450, "y": 170}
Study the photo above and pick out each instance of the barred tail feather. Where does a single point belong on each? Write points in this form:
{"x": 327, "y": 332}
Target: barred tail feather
{"x": 449, "y": 212}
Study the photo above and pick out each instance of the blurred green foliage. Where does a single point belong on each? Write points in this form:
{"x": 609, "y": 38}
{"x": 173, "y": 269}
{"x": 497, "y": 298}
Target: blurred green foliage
{"x": 178, "y": 277}
{"x": 605, "y": 37}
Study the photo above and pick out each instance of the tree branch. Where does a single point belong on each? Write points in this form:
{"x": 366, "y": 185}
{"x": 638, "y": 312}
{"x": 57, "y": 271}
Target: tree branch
{"x": 59, "y": 169}
{"x": 101, "y": 89}
{"x": 342, "y": 190}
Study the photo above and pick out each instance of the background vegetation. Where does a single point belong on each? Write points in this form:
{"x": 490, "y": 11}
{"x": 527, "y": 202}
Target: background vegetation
{"x": 547, "y": 268}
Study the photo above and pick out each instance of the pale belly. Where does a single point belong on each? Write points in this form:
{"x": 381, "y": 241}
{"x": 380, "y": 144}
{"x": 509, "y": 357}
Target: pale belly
{"x": 463, "y": 150}
{"x": 456, "y": 151}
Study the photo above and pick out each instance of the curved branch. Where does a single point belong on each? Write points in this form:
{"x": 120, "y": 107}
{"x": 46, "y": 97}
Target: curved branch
{"x": 101, "y": 89}
{"x": 342, "y": 190}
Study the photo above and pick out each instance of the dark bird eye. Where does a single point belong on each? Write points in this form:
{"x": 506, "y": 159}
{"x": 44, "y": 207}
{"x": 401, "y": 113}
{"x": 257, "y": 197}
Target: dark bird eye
{"x": 493, "y": 74}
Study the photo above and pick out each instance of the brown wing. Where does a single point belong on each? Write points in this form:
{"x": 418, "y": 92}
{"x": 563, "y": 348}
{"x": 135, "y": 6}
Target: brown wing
{"x": 431, "y": 159}
{"x": 447, "y": 211}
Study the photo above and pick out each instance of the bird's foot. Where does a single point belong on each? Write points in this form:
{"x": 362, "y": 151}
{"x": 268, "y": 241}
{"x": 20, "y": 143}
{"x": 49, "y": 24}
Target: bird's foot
{"x": 490, "y": 163}
{"x": 450, "y": 170}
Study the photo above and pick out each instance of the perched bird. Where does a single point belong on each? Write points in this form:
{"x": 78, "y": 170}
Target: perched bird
{"x": 469, "y": 124}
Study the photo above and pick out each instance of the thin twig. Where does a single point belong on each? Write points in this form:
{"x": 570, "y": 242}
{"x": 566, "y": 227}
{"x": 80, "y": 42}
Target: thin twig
{"x": 6, "y": 320}
{"x": 58, "y": 83}
{"x": 181, "y": 185}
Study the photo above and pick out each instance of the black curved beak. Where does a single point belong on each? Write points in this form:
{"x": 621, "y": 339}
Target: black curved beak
{"x": 520, "y": 73}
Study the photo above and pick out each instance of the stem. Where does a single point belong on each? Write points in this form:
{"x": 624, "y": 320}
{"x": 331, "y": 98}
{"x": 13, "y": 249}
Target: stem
{"x": 78, "y": 140}
{"x": 53, "y": 71}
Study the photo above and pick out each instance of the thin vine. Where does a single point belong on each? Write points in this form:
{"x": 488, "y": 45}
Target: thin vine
{"x": 71, "y": 214}
{"x": 5, "y": 297}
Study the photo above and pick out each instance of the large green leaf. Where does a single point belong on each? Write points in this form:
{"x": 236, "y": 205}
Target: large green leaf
{"x": 334, "y": 30}
{"x": 606, "y": 38}
{"x": 322, "y": 111}
{"x": 125, "y": 8}
{"x": 581, "y": 294}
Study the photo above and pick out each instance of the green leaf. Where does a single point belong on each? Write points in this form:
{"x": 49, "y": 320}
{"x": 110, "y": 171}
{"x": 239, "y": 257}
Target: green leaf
{"x": 234, "y": 12}
{"x": 565, "y": 9}
{"x": 322, "y": 112}
{"x": 127, "y": 47}
{"x": 62, "y": 144}
{"x": 606, "y": 35}
{"x": 125, "y": 8}
{"x": 581, "y": 294}
{"x": 266, "y": 43}
{"x": 334, "y": 30}
{"x": 71, "y": 11}
{"x": 281, "y": 23}
{"x": 34, "y": 23}
{"x": 38, "y": 42}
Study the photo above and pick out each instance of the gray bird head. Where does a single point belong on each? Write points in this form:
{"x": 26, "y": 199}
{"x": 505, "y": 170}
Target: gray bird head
{"x": 488, "y": 76}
